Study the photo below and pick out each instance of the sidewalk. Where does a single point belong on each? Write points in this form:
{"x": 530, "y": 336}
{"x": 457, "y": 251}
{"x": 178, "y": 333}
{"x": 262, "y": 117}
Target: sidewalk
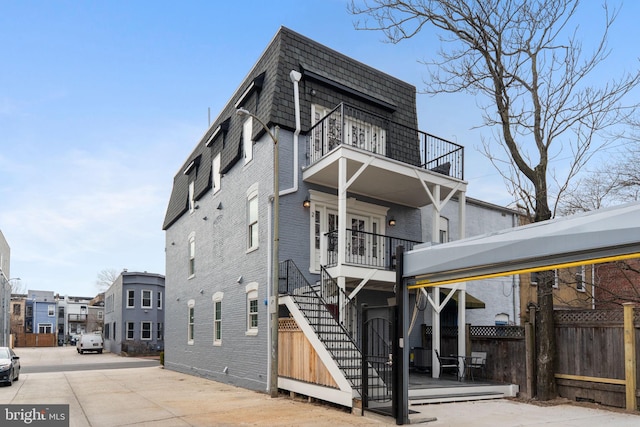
{"x": 156, "y": 397}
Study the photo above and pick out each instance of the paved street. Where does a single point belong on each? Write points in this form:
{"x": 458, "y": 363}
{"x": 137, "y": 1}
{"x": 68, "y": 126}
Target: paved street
{"x": 106, "y": 390}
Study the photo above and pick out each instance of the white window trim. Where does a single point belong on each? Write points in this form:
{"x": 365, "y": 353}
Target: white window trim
{"x": 191, "y": 305}
{"x": 252, "y": 294}
{"x": 45, "y": 325}
{"x": 191, "y": 268}
{"x": 192, "y": 200}
{"x": 134, "y": 298}
{"x": 323, "y": 201}
{"x": 159, "y": 300}
{"x": 216, "y": 176}
{"x": 126, "y": 331}
{"x": 247, "y": 140}
{"x": 252, "y": 193}
{"x": 217, "y": 297}
{"x": 150, "y": 306}
{"x": 142, "y": 338}
{"x": 582, "y": 286}
{"x": 51, "y": 310}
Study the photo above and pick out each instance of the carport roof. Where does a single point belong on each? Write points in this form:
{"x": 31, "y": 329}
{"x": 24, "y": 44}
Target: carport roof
{"x": 597, "y": 236}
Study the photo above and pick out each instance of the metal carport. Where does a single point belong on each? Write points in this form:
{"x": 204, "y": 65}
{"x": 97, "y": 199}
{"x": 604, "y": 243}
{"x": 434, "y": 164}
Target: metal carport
{"x": 589, "y": 238}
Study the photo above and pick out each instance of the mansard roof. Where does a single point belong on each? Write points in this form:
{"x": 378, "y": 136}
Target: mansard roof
{"x": 328, "y": 78}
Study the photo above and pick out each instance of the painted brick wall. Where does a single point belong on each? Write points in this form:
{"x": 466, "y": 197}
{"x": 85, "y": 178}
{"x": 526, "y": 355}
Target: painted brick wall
{"x": 221, "y": 258}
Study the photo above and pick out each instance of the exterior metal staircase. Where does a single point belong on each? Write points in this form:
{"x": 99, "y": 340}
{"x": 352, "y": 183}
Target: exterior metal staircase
{"x": 319, "y": 303}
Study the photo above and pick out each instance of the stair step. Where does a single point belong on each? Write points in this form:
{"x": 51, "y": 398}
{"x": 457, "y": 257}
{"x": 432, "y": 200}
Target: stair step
{"x": 458, "y": 397}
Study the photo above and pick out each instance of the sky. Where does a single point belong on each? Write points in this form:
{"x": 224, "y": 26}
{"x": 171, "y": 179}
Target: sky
{"x": 102, "y": 101}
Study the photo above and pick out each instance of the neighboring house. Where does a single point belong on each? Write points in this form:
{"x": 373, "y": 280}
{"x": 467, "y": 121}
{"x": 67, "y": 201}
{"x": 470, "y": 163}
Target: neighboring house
{"x": 573, "y": 288}
{"x": 134, "y": 314}
{"x": 76, "y": 316}
{"x": 18, "y": 304}
{"x": 5, "y": 291}
{"x": 616, "y": 283}
{"x": 41, "y": 312}
{"x": 354, "y": 173}
{"x": 491, "y": 301}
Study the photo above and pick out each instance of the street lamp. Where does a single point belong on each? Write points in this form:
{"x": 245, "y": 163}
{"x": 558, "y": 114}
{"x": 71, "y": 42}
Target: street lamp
{"x": 273, "y": 379}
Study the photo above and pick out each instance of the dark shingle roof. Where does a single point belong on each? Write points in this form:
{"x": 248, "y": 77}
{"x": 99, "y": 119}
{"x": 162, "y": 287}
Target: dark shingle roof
{"x": 268, "y": 92}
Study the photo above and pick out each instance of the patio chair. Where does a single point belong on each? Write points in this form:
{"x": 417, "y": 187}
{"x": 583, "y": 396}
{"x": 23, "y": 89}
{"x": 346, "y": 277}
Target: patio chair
{"x": 477, "y": 361}
{"x": 448, "y": 363}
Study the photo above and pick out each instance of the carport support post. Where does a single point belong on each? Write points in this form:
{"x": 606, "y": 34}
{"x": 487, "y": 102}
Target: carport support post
{"x": 401, "y": 348}
{"x": 630, "y": 356}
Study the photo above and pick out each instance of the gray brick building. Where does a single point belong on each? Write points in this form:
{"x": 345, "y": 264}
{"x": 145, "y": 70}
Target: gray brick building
{"x": 134, "y": 314}
{"x": 355, "y": 176}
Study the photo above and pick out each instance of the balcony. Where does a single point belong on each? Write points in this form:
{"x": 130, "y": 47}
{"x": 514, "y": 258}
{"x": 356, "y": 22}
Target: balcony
{"x": 358, "y": 152}
{"x": 77, "y": 317}
{"x": 348, "y": 125}
{"x": 366, "y": 249}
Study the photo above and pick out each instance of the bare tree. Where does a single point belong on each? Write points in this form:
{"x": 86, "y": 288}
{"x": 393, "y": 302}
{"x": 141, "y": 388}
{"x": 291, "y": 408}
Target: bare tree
{"x": 612, "y": 182}
{"x": 106, "y": 278}
{"x": 527, "y": 64}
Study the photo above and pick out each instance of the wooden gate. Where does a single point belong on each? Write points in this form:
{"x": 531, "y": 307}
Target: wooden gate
{"x": 35, "y": 340}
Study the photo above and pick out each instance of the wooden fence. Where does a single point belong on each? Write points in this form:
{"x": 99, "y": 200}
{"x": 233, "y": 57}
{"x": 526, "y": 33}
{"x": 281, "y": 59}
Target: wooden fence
{"x": 297, "y": 359}
{"x": 594, "y": 362}
{"x": 34, "y": 340}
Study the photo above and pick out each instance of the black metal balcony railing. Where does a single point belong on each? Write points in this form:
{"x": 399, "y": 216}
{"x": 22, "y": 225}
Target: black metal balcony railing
{"x": 352, "y": 126}
{"x": 366, "y": 249}
{"x": 77, "y": 317}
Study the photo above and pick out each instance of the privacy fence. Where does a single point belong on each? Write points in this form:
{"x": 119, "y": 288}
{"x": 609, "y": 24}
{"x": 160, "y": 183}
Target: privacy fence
{"x": 596, "y": 355}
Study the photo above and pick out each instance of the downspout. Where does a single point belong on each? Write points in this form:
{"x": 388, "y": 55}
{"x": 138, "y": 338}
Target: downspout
{"x": 295, "y": 77}
{"x": 269, "y": 288}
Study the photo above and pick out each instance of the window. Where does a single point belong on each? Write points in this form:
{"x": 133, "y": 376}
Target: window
{"x": 252, "y": 308}
{"x": 159, "y": 301}
{"x": 217, "y": 318}
{"x": 146, "y": 299}
{"x": 537, "y": 276}
{"x": 216, "y": 174}
{"x": 190, "y": 322}
{"x": 192, "y": 192}
{"x": 114, "y": 330}
{"x": 580, "y": 279}
{"x": 145, "y": 331}
{"x": 100, "y": 315}
{"x": 106, "y": 331}
{"x": 51, "y": 310}
{"x": 16, "y": 309}
{"x": 44, "y": 328}
{"x": 192, "y": 254}
{"x": 252, "y": 217}
{"x": 131, "y": 298}
{"x": 247, "y": 142}
{"x": 130, "y": 330}
{"x": 444, "y": 230}
{"x": 160, "y": 332}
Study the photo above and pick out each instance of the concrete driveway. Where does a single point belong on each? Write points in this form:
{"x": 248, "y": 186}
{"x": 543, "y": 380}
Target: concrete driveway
{"x": 122, "y": 395}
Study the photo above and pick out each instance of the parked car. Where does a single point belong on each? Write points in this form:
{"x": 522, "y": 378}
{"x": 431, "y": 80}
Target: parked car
{"x": 9, "y": 366}
{"x": 90, "y": 342}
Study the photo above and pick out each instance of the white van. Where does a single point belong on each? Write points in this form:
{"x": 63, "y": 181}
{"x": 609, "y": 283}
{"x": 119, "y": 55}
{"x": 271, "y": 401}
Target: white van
{"x": 90, "y": 342}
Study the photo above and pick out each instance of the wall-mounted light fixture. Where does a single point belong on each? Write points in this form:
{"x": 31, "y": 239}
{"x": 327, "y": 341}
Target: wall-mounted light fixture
{"x": 219, "y": 206}
{"x": 205, "y": 218}
{"x": 202, "y": 291}
{"x": 306, "y": 203}
{"x": 392, "y": 222}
